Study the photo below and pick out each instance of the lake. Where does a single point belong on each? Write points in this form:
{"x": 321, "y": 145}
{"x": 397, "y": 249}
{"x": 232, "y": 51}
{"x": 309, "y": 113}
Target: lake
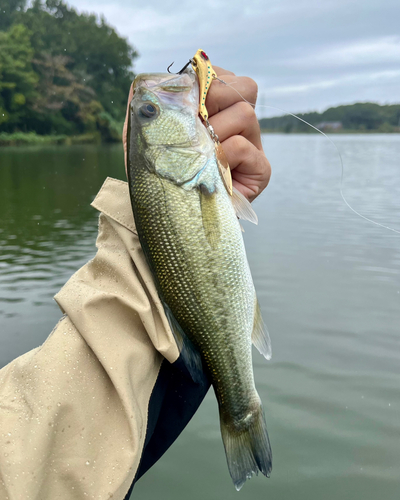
{"x": 328, "y": 283}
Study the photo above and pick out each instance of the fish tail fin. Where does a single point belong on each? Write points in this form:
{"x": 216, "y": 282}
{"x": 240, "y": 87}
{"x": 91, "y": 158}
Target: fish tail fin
{"x": 247, "y": 448}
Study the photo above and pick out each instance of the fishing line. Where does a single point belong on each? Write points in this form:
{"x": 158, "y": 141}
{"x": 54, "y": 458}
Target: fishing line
{"x": 329, "y": 139}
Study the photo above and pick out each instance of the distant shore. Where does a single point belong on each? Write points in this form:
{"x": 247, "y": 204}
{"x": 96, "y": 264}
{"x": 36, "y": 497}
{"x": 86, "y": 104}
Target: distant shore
{"x": 32, "y": 139}
{"x": 329, "y": 131}
{"x": 357, "y": 118}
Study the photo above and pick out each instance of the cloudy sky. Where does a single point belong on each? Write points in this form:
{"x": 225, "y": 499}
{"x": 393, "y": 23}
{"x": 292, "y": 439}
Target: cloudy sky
{"x": 304, "y": 54}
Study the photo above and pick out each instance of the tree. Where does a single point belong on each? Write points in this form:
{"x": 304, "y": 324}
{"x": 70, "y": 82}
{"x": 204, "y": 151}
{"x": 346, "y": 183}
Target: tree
{"x": 17, "y": 78}
{"x": 98, "y": 56}
{"x": 63, "y": 105}
{"x": 8, "y": 8}
{"x": 61, "y": 72}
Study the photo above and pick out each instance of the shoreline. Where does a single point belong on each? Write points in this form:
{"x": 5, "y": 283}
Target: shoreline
{"x": 33, "y": 139}
{"x": 330, "y": 132}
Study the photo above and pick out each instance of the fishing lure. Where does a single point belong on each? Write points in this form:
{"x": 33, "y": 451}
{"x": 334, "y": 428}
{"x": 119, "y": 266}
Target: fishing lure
{"x": 206, "y": 75}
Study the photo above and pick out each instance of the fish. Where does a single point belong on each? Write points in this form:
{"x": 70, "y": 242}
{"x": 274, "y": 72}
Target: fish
{"x": 188, "y": 227}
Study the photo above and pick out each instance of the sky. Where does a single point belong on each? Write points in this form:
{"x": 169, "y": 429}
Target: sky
{"x": 305, "y": 55}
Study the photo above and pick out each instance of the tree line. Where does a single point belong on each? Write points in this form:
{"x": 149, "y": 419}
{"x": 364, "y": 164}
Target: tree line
{"x": 359, "y": 117}
{"x": 61, "y": 72}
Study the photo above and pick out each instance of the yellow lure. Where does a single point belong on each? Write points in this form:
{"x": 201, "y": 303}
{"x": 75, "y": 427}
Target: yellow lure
{"x": 205, "y": 73}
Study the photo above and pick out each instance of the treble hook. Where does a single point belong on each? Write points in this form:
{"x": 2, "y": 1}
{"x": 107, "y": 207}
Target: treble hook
{"x": 182, "y": 70}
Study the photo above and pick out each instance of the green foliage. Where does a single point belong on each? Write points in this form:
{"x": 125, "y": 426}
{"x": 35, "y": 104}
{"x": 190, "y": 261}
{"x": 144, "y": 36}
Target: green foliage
{"x": 98, "y": 57}
{"x": 359, "y": 117}
{"x": 17, "y": 78}
{"x": 31, "y": 138}
{"x": 8, "y": 9}
{"x": 110, "y": 129}
{"x": 66, "y": 105}
{"x": 61, "y": 72}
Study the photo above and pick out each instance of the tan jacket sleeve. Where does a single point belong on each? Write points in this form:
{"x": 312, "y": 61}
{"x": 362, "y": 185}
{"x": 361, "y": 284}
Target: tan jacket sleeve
{"x": 73, "y": 412}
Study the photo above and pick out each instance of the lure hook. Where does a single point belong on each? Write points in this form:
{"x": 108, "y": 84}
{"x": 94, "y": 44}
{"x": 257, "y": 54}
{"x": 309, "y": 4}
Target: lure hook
{"x": 182, "y": 70}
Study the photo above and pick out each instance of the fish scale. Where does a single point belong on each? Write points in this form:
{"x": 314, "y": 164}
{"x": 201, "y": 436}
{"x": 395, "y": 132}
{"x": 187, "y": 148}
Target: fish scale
{"x": 172, "y": 244}
{"x": 193, "y": 244}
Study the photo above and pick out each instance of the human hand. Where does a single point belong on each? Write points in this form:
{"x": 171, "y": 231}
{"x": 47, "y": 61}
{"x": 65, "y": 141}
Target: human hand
{"x": 236, "y": 125}
{"x": 238, "y": 130}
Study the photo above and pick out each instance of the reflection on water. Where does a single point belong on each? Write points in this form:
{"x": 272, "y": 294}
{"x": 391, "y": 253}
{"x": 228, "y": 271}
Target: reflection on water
{"x": 47, "y": 231}
{"x": 329, "y": 288}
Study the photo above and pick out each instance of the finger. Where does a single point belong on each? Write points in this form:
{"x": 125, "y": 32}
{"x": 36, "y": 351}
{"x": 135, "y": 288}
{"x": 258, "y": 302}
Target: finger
{"x": 238, "y": 119}
{"x": 222, "y": 71}
{"x": 221, "y": 96}
{"x": 251, "y": 170}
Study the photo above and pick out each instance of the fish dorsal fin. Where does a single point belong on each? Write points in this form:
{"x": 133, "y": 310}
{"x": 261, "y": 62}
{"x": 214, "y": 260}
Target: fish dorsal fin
{"x": 189, "y": 354}
{"x": 260, "y": 335}
{"x": 242, "y": 207}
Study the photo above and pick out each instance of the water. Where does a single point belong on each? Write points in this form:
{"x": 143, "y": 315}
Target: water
{"x": 329, "y": 288}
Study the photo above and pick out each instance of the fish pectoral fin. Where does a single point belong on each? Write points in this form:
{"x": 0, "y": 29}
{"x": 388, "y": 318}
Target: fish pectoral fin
{"x": 188, "y": 352}
{"x": 260, "y": 336}
{"x": 243, "y": 208}
{"x": 209, "y": 214}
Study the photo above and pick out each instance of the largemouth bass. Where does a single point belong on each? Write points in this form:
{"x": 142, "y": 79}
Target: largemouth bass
{"x": 190, "y": 234}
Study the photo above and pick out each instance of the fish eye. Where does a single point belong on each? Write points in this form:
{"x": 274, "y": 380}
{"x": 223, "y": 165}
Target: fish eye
{"x": 148, "y": 109}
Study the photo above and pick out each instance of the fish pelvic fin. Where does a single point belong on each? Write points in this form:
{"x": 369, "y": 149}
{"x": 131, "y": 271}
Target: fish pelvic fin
{"x": 260, "y": 336}
{"x": 248, "y": 450}
{"x": 188, "y": 352}
{"x": 209, "y": 213}
{"x": 242, "y": 207}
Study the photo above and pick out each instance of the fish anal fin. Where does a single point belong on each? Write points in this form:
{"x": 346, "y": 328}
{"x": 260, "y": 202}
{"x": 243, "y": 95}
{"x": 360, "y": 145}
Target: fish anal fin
{"x": 209, "y": 213}
{"x": 188, "y": 352}
{"x": 260, "y": 336}
{"x": 242, "y": 207}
